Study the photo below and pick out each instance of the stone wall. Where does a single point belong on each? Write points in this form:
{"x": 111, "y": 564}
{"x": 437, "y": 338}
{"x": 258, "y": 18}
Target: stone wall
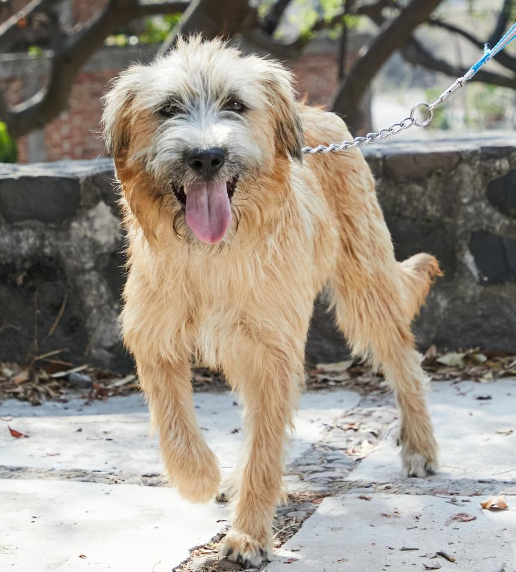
{"x": 60, "y": 263}
{"x": 60, "y": 250}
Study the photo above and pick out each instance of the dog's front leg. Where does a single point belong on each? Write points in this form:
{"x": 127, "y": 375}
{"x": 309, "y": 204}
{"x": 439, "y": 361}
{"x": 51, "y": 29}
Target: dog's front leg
{"x": 190, "y": 464}
{"x": 268, "y": 384}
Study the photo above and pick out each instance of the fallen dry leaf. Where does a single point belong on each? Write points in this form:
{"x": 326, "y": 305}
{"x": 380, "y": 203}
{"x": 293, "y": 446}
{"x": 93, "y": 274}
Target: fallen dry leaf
{"x": 452, "y": 359}
{"x": 431, "y": 353}
{"x": 395, "y": 514}
{"x": 22, "y": 377}
{"x": 495, "y": 503}
{"x": 462, "y": 517}
{"x": 335, "y": 367}
{"x": 445, "y": 556}
{"x": 82, "y": 555}
{"x": 432, "y": 566}
{"x": 17, "y": 434}
{"x": 365, "y": 497}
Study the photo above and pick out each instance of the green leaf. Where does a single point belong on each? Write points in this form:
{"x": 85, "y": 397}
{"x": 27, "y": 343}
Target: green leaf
{"x": 8, "y": 150}
{"x": 35, "y": 51}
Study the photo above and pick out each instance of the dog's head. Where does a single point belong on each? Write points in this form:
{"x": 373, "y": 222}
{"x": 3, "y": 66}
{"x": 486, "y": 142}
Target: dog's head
{"x": 198, "y": 129}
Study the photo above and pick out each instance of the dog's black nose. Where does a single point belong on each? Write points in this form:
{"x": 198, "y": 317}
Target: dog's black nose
{"x": 206, "y": 162}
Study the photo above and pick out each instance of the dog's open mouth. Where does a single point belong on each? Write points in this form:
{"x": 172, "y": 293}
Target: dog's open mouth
{"x": 207, "y": 208}
{"x": 181, "y": 197}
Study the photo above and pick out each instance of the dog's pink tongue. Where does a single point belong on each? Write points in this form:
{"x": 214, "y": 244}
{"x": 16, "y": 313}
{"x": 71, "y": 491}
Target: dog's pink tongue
{"x": 208, "y": 212}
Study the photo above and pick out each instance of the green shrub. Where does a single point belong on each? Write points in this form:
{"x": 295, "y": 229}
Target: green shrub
{"x": 8, "y": 151}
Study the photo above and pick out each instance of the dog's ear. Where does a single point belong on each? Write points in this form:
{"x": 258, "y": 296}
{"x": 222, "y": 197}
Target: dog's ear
{"x": 285, "y": 110}
{"x": 118, "y": 119}
{"x": 117, "y": 114}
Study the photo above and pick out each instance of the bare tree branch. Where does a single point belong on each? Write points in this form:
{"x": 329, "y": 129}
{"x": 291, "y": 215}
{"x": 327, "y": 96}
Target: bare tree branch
{"x": 213, "y": 18}
{"x": 273, "y": 17}
{"x": 69, "y": 56}
{"x": 502, "y": 57}
{"x": 283, "y": 51}
{"x": 343, "y": 43}
{"x": 292, "y": 50}
{"x": 152, "y": 8}
{"x": 10, "y": 27}
{"x": 393, "y": 38}
{"x": 416, "y": 54}
{"x": 370, "y": 10}
{"x": 503, "y": 20}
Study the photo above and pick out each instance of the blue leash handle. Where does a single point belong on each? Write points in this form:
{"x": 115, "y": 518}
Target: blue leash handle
{"x": 489, "y": 53}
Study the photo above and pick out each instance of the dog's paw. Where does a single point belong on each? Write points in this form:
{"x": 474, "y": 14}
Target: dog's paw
{"x": 419, "y": 452}
{"x": 418, "y": 465}
{"x": 199, "y": 483}
{"x": 245, "y": 550}
{"x": 228, "y": 488}
{"x": 222, "y": 497}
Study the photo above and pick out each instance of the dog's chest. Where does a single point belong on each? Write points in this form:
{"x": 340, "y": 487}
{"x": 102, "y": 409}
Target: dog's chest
{"x": 214, "y": 307}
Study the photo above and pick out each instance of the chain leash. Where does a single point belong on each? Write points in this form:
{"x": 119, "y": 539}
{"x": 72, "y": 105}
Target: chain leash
{"x": 427, "y": 109}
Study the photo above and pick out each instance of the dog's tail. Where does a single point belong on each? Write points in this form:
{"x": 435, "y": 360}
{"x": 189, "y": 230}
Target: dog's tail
{"x": 417, "y": 275}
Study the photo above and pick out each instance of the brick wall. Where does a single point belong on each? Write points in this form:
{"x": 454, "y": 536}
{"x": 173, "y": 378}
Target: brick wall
{"x": 79, "y": 10}
{"x": 83, "y": 10}
{"x": 72, "y": 134}
{"x": 10, "y": 7}
{"x": 317, "y": 77}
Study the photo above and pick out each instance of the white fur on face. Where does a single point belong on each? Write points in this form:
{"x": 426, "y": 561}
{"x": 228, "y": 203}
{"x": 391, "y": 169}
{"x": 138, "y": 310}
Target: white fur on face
{"x": 199, "y": 80}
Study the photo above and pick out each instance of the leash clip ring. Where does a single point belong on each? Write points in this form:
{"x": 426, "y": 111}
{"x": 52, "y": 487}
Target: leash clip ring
{"x": 428, "y": 110}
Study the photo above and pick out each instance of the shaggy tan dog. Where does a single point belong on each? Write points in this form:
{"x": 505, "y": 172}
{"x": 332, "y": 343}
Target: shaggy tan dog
{"x": 231, "y": 236}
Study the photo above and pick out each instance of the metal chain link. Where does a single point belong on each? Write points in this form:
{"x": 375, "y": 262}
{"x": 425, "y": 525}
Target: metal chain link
{"x": 395, "y": 128}
{"x": 411, "y": 120}
{"x": 383, "y": 133}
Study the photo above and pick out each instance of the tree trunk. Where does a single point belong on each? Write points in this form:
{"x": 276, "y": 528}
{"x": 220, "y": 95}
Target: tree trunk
{"x": 212, "y": 18}
{"x": 347, "y": 102}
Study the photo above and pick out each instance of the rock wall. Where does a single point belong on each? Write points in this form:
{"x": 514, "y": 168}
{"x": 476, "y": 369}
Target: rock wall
{"x": 61, "y": 250}
{"x": 60, "y": 263}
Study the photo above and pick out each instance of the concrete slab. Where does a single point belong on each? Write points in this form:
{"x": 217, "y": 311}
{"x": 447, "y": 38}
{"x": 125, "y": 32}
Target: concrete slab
{"x": 114, "y": 435}
{"x": 50, "y": 525}
{"x": 473, "y": 424}
{"x": 349, "y": 534}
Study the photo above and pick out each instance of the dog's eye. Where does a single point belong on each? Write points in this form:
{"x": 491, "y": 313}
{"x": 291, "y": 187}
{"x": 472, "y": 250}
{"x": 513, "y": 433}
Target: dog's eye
{"x": 234, "y": 105}
{"x": 170, "y": 109}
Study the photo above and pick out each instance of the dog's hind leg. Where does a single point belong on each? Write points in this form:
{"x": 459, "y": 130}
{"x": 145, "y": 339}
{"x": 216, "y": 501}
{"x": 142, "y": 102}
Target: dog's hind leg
{"x": 191, "y": 465}
{"x": 375, "y": 299}
{"x": 268, "y": 383}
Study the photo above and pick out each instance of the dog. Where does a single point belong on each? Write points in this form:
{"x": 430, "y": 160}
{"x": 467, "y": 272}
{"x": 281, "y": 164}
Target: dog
{"x": 231, "y": 235}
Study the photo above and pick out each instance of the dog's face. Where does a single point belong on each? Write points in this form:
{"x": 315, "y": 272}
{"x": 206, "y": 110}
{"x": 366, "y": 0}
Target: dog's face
{"x": 196, "y": 131}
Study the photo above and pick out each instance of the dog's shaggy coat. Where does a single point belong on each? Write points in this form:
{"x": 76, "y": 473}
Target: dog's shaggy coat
{"x": 243, "y": 304}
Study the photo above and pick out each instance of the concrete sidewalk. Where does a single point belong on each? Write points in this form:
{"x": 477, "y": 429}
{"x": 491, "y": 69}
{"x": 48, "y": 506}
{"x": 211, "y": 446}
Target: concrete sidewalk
{"x": 376, "y": 521}
{"x": 85, "y": 491}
